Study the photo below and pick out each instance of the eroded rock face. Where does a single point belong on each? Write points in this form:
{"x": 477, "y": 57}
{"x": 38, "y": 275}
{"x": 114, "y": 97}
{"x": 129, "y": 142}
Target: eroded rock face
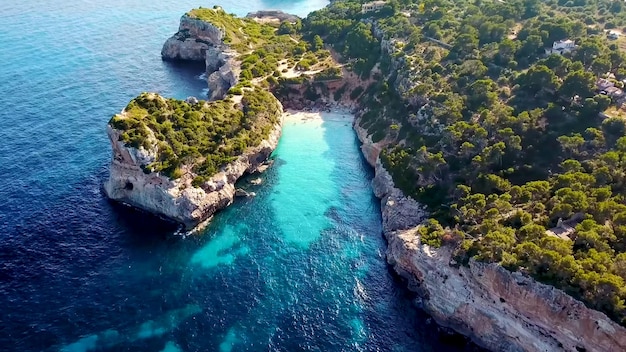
{"x": 178, "y": 199}
{"x": 193, "y": 39}
{"x": 223, "y": 69}
{"x": 370, "y": 150}
{"x": 497, "y": 309}
{"x": 197, "y": 40}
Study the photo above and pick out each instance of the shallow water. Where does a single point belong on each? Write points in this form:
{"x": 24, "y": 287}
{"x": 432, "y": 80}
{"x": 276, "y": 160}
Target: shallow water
{"x": 298, "y": 267}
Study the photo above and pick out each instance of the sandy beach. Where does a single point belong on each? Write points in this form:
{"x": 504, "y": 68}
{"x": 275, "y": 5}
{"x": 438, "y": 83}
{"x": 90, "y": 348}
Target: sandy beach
{"x": 295, "y": 116}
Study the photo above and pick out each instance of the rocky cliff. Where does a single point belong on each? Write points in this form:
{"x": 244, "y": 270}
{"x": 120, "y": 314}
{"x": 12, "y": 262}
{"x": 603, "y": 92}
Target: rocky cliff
{"x": 178, "y": 199}
{"x": 199, "y": 40}
{"x": 497, "y": 309}
{"x": 223, "y": 69}
{"x": 193, "y": 39}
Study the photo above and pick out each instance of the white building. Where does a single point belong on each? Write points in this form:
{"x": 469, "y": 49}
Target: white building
{"x": 372, "y": 6}
{"x": 561, "y": 47}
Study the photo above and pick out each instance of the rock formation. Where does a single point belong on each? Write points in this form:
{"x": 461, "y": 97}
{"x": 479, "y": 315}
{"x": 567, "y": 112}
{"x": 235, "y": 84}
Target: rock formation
{"x": 223, "y": 69}
{"x": 193, "y": 39}
{"x": 178, "y": 199}
{"x": 188, "y": 198}
{"x": 198, "y": 40}
{"x": 497, "y": 309}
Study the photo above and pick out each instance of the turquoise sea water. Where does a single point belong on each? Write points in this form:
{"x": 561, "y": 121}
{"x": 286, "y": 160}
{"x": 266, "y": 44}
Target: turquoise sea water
{"x": 300, "y": 267}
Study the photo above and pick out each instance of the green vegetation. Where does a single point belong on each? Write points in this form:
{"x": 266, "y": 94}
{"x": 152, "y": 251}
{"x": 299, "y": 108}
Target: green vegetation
{"x": 329, "y": 74}
{"x": 340, "y": 25}
{"x": 200, "y": 137}
{"x": 501, "y": 141}
{"x": 505, "y": 144}
{"x": 241, "y": 34}
{"x": 203, "y": 137}
{"x": 263, "y": 48}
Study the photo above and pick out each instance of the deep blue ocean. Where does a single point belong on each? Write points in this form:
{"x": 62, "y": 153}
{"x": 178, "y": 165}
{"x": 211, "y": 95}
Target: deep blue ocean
{"x": 300, "y": 267}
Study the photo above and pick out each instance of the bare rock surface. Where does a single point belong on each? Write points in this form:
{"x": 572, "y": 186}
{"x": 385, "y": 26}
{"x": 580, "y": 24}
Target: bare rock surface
{"x": 193, "y": 39}
{"x": 223, "y": 69}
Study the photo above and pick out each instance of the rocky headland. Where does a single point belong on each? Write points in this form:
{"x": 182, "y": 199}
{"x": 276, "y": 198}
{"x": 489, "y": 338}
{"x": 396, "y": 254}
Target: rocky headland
{"x": 498, "y": 309}
{"x": 203, "y": 41}
{"x": 193, "y": 39}
{"x": 179, "y": 199}
{"x": 180, "y": 160}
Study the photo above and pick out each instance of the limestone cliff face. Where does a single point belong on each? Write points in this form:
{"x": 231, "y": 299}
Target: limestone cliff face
{"x": 497, "y": 309}
{"x": 223, "y": 69}
{"x": 193, "y": 39}
{"x": 197, "y": 40}
{"x": 178, "y": 199}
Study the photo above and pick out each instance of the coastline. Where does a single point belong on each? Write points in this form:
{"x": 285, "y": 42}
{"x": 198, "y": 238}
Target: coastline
{"x": 530, "y": 316}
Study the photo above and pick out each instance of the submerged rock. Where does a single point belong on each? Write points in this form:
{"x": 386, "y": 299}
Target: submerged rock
{"x": 264, "y": 166}
{"x": 257, "y": 181}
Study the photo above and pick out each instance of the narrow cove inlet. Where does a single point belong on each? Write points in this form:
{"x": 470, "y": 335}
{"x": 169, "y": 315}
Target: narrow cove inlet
{"x": 300, "y": 266}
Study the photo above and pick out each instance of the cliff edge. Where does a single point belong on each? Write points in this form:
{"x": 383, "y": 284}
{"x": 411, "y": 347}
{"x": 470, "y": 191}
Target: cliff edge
{"x": 181, "y": 159}
{"x": 178, "y": 199}
{"x": 202, "y": 37}
{"x": 497, "y": 309}
{"x": 193, "y": 39}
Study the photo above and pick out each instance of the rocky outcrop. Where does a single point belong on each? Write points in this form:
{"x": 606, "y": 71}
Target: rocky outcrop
{"x": 239, "y": 192}
{"x": 497, "y": 309}
{"x": 193, "y": 39}
{"x": 223, "y": 69}
{"x": 198, "y": 40}
{"x": 178, "y": 199}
